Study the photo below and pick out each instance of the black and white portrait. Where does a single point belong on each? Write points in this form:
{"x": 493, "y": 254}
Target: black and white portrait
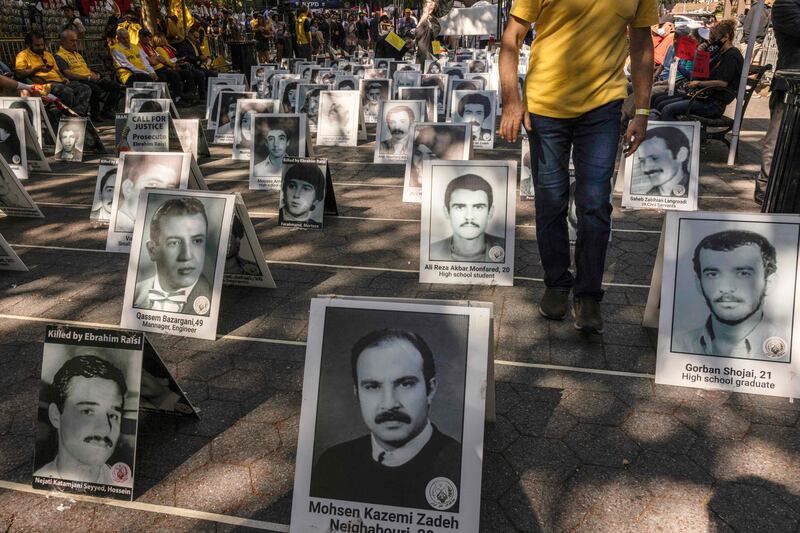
{"x": 372, "y": 93}
{"x": 12, "y": 141}
{"x": 338, "y": 118}
{"x": 405, "y": 78}
{"x": 178, "y": 260}
{"x": 468, "y": 218}
{"x": 308, "y": 102}
{"x": 149, "y": 105}
{"x": 376, "y": 74}
{"x": 14, "y": 199}
{"x": 734, "y": 289}
{"x": 87, "y": 417}
{"x": 141, "y": 93}
{"x": 441, "y": 83}
{"x": 274, "y": 137}
{"x": 32, "y": 108}
{"x": 242, "y": 132}
{"x": 302, "y": 199}
{"x": 476, "y": 108}
{"x": 666, "y": 165}
{"x": 427, "y": 94}
{"x": 390, "y": 410}
{"x": 69, "y": 139}
{"x": 287, "y": 93}
{"x": 393, "y": 135}
{"x": 433, "y": 141}
{"x": 137, "y": 171}
{"x": 263, "y": 85}
{"x": 215, "y": 101}
{"x": 477, "y": 65}
{"x": 346, "y": 83}
{"x": 526, "y": 191}
{"x": 226, "y": 118}
{"x": 434, "y": 66}
{"x": 104, "y": 193}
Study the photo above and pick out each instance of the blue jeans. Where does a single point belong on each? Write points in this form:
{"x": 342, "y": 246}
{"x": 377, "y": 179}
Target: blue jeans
{"x": 593, "y": 138}
{"x": 703, "y": 108}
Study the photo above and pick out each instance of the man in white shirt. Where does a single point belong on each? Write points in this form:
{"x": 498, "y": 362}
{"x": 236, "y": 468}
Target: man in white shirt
{"x": 139, "y": 173}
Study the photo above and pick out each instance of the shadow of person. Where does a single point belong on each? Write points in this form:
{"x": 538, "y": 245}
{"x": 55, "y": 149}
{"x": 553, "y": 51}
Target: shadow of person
{"x": 753, "y": 504}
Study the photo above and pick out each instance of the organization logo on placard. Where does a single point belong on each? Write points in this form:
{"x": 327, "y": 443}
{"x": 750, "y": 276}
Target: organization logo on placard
{"x": 201, "y": 305}
{"x": 678, "y": 190}
{"x": 774, "y": 347}
{"x": 441, "y": 493}
{"x": 16, "y": 159}
{"x": 120, "y": 473}
{"x": 497, "y": 254}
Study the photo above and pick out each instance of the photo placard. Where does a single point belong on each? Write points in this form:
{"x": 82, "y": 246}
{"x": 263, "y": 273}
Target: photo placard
{"x": 373, "y": 92}
{"x": 9, "y": 260}
{"x": 275, "y": 136}
{"x": 142, "y": 132}
{"x": 664, "y": 172}
{"x": 396, "y": 119}
{"x": 361, "y": 465}
{"x": 226, "y": 115}
{"x": 104, "y": 191}
{"x": 14, "y": 199}
{"x": 246, "y": 108}
{"x": 432, "y": 140}
{"x": 728, "y": 318}
{"x": 13, "y": 148}
{"x": 137, "y": 171}
{"x": 427, "y": 94}
{"x": 339, "y": 118}
{"x": 177, "y": 262}
{"x": 304, "y": 185}
{"x": 468, "y": 222}
{"x": 476, "y": 108}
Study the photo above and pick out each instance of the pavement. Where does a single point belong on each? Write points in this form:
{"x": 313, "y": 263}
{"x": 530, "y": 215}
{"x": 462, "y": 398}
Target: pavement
{"x": 584, "y": 440}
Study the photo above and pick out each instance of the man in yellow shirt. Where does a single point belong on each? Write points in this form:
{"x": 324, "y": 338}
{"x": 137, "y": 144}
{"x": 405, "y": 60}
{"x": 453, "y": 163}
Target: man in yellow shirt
{"x": 130, "y": 60}
{"x": 73, "y": 66}
{"x": 36, "y": 63}
{"x": 303, "y": 28}
{"x": 574, "y": 92}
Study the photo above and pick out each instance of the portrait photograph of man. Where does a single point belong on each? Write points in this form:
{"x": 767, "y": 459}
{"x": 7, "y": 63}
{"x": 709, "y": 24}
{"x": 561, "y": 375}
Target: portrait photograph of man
{"x": 302, "y": 199}
{"x": 393, "y": 134}
{"x": 476, "y": 108}
{"x": 469, "y": 207}
{"x": 138, "y": 170}
{"x": 104, "y": 193}
{"x": 338, "y": 124}
{"x": 226, "y": 119}
{"x": 178, "y": 261}
{"x": 666, "y": 165}
{"x": 427, "y": 94}
{"x": 242, "y": 131}
{"x": 372, "y": 93}
{"x": 69, "y": 141}
{"x": 31, "y": 107}
{"x": 390, "y": 408}
{"x": 216, "y": 102}
{"x": 308, "y": 102}
{"x": 88, "y": 413}
{"x": 346, "y": 83}
{"x": 433, "y": 141}
{"x": 274, "y": 137}
{"x": 143, "y": 94}
{"x": 736, "y": 296}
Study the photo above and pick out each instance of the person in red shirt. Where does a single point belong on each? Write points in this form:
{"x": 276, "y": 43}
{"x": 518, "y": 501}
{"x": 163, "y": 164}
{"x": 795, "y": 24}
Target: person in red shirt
{"x": 663, "y": 38}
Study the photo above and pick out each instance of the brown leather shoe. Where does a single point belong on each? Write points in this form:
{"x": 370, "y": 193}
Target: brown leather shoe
{"x": 554, "y": 304}
{"x": 586, "y": 311}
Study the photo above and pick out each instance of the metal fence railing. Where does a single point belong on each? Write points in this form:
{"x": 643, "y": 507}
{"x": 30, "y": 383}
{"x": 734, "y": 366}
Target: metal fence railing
{"x": 93, "y": 51}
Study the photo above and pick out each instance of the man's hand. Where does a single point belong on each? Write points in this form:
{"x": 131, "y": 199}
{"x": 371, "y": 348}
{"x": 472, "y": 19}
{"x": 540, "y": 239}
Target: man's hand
{"x": 694, "y": 84}
{"x": 153, "y": 76}
{"x": 94, "y": 76}
{"x": 514, "y": 114}
{"x": 637, "y": 129}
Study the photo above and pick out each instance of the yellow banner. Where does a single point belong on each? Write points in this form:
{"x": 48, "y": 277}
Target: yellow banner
{"x": 175, "y": 9}
{"x": 437, "y": 47}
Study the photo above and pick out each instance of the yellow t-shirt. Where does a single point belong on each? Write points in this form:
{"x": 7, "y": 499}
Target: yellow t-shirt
{"x": 579, "y": 53}
{"x": 27, "y": 60}
{"x": 133, "y": 30}
{"x": 77, "y": 65}
{"x": 132, "y": 55}
{"x": 303, "y": 37}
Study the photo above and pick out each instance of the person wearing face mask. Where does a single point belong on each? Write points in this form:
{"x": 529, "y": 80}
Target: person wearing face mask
{"x": 726, "y": 71}
{"x": 663, "y": 38}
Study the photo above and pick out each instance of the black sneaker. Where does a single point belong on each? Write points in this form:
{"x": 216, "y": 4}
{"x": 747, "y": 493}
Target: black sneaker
{"x": 554, "y": 304}
{"x": 586, "y": 312}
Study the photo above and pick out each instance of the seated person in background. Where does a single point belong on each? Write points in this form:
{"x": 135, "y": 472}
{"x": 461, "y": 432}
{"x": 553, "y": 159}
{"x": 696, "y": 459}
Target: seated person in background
{"x": 165, "y": 69}
{"x": 726, "y": 70}
{"x": 36, "y": 63}
{"x": 74, "y": 67}
{"x": 193, "y": 78}
{"x": 192, "y": 52}
{"x": 130, "y": 60}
